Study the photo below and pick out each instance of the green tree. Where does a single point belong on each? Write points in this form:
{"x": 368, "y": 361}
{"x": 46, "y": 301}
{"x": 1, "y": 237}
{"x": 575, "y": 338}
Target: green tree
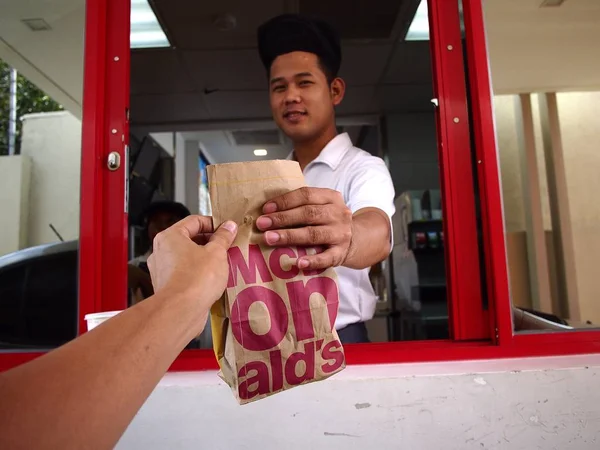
{"x": 30, "y": 99}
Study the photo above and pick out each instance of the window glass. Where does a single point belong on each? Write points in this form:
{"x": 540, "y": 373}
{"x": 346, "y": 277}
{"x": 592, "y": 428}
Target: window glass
{"x": 211, "y": 92}
{"x": 545, "y": 77}
{"x": 50, "y": 313}
{"x": 12, "y": 290}
{"x": 41, "y": 86}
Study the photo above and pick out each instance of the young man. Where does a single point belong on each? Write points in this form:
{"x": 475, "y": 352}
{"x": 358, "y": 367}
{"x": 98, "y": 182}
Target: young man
{"x": 348, "y": 205}
{"x": 157, "y": 217}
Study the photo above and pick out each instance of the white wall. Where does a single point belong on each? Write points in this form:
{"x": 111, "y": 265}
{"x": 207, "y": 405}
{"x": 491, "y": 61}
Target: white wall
{"x": 53, "y": 142}
{"x": 579, "y": 115}
{"x": 506, "y": 117}
{"x": 180, "y": 159}
{"x": 192, "y": 176}
{"x": 15, "y": 172}
{"x": 512, "y": 404}
{"x": 166, "y": 141}
{"x": 187, "y": 172}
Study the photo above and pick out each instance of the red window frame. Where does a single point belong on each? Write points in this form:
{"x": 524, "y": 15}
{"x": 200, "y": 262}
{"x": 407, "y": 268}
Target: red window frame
{"x": 103, "y": 235}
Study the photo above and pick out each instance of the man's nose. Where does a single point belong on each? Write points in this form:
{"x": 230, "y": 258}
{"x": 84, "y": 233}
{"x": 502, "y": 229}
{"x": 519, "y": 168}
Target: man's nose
{"x": 292, "y": 95}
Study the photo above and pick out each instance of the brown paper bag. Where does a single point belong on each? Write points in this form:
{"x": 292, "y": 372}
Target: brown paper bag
{"x": 274, "y": 327}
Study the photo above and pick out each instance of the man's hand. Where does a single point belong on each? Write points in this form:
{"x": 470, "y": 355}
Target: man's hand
{"x": 179, "y": 266}
{"x": 310, "y": 217}
{"x": 138, "y": 279}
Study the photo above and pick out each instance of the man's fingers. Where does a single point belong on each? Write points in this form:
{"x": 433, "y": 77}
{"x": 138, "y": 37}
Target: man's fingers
{"x": 305, "y": 237}
{"x": 303, "y": 215}
{"x": 329, "y": 258}
{"x": 224, "y": 235}
{"x": 302, "y": 196}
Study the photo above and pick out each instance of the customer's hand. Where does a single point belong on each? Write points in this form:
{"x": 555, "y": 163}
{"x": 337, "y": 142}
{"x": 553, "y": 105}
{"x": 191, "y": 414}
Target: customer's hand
{"x": 310, "y": 217}
{"x": 182, "y": 267}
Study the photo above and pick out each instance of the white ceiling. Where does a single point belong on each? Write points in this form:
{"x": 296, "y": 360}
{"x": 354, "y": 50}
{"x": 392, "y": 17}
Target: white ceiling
{"x": 211, "y": 75}
{"x": 543, "y": 49}
{"x": 214, "y": 79}
{"x": 52, "y": 59}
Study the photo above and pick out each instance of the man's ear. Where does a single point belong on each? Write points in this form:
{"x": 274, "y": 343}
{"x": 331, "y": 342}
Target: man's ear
{"x": 338, "y": 90}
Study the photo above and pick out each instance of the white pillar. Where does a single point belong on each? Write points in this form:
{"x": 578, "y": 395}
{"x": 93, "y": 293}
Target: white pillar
{"x": 187, "y": 173}
{"x": 532, "y": 198}
{"x": 179, "y": 168}
{"x": 562, "y": 231}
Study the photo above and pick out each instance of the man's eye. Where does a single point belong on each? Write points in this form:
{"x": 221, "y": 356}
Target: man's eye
{"x": 305, "y": 83}
{"x": 279, "y": 88}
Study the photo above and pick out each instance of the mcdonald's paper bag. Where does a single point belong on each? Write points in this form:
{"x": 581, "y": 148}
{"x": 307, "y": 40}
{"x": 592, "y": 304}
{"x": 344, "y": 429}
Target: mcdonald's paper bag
{"x": 273, "y": 329}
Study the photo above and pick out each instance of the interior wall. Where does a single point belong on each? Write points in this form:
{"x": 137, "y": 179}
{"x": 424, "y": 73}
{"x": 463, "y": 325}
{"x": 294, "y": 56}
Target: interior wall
{"x": 507, "y": 125}
{"x": 412, "y": 151}
{"x": 371, "y": 142}
{"x": 166, "y": 141}
{"x": 510, "y": 165}
{"x": 53, "y": 143}
{"x": 192, "y": 176}
{"x": 180, "y": 187}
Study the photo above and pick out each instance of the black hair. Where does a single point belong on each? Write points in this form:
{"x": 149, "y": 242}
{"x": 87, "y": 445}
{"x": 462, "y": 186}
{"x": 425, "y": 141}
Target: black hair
{"x": 177, "y": 209}
{"x": 327, "y": 70}
{"x": 294, "y": 32}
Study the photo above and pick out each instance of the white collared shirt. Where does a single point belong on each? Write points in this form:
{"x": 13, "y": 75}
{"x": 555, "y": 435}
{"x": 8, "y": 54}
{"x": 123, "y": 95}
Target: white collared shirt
{"x": 365, "y": 182}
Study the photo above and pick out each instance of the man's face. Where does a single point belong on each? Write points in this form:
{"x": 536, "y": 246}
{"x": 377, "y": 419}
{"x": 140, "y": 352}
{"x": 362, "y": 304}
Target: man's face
{"x": 160, "y": 221}
{"x": 302, "y": 101}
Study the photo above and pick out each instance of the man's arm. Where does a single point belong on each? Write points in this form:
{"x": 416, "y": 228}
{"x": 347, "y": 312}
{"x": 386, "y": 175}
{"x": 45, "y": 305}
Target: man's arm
{"x": 356, "y": 235}
{"x": 371, "y": 238}
{"x": 86, "y": 393}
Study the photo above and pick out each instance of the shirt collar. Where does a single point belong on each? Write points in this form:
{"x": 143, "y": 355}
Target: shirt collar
{"x": 332, "y": 153}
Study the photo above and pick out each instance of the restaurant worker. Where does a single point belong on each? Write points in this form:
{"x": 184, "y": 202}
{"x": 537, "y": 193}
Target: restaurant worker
{"x": 85, "y": 393}
{"x": 157, "y": 217}
{"x": 347, "y": 208}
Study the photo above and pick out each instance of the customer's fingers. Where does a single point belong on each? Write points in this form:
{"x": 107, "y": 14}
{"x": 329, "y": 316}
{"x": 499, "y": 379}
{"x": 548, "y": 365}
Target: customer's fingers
{"x": 202, "y": 238}
{"x": 192, "y": 226}
{"x": 224, "y": 235}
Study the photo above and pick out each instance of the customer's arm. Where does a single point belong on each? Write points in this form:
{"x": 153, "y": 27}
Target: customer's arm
{"x": 85, "y": 394}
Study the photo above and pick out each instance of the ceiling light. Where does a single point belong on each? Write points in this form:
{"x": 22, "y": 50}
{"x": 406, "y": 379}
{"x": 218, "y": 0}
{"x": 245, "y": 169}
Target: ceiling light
{"x": 36, "y": 24}
{"x": 225, "y": 22}
{"x": 419, "y": 27}
{"x": 260, "y": 152}
{"x": 146, "y": 32}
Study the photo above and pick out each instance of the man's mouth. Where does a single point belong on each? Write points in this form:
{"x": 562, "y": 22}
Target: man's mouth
{"x": 294, "y": 115}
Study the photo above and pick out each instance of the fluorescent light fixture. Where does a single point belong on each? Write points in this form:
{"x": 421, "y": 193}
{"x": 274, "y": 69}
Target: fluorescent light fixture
{"x": 146, "y": 32}
{"x": 419, "y": 27}
{"x": 37, "y": 24}
{"x": 260, "y": 152}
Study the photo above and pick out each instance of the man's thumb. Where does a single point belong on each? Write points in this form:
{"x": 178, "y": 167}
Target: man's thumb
{"x": 224, "y": 235}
